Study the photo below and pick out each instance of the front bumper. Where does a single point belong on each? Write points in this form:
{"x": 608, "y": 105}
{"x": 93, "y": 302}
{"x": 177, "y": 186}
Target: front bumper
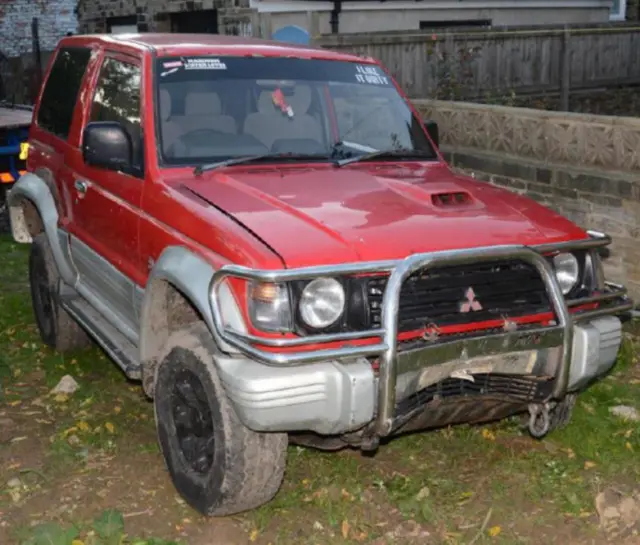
{"x": 336, "y": 390}
{"x": 333, "y": 398}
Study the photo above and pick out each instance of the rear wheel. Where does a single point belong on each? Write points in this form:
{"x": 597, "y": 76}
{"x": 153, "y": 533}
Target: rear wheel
{"x": 57, "y": 328}
{"x": 217, "y": 464}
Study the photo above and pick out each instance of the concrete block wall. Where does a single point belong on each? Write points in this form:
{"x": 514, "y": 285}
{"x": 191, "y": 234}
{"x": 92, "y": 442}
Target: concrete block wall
{"x": 586, "y": 167}
{"x": 600, "y": 200}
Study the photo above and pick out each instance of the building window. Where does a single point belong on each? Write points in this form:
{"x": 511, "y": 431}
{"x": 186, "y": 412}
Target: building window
{"x": 618, "y": 10}
{"x": 204, "y": 21}
{"x": 127, "y": 24}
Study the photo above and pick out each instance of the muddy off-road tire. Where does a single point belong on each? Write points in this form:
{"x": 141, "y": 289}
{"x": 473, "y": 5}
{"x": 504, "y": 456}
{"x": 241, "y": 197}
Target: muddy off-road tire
{"x": 219, "y": 466}
{"x": 57, "y": 328}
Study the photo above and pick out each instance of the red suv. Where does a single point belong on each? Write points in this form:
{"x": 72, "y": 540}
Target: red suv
{"x": 268, "y": 237}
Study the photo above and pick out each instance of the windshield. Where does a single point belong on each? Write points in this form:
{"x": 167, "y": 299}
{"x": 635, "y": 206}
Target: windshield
{"x": 214, "y": 109}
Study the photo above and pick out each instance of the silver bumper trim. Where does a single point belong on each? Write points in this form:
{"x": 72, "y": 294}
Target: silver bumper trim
{"x": 385, "y": 346}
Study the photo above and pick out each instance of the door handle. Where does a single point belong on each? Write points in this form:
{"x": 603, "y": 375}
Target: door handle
{"x": 80, "y": 186}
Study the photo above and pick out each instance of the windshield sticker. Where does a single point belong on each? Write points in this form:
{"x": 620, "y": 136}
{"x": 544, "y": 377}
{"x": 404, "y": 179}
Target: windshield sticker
{"x": 204, "y": 64}
{"x": 167, "y": 72}
{"x": 370, "y": 74}
{"x": 280, "y": 102}
{"x": 172, "y": 64}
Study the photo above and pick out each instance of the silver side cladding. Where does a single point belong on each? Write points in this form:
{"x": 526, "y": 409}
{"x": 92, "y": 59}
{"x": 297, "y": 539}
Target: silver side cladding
{"x": 595, "y": 349}
{"x": 326, "y": 397}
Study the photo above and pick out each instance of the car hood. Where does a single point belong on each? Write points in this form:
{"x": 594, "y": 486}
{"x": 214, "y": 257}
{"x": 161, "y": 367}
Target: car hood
{"x": 319, "y": 216}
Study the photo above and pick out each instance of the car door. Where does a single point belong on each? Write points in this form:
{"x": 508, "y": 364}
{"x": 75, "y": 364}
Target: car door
{"x": 105, "y": 203}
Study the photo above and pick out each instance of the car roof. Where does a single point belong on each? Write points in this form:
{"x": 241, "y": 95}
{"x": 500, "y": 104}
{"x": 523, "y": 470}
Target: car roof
{"x": 215, "y": 44}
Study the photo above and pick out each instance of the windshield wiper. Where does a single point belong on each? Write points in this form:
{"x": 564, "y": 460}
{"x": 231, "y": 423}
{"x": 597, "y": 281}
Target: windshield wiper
{"x": 251, "y": 158}
{"x": 390, "y": 153}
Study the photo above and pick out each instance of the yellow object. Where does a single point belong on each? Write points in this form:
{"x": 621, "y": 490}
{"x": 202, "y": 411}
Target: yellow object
{"x": 24, "y": 151}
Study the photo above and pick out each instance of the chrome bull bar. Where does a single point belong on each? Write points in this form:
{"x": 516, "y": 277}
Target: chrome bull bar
{"x": 386, "y": 337}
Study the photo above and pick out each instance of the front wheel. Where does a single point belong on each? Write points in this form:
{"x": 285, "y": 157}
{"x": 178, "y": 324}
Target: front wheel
{"x": 217, "y": 464}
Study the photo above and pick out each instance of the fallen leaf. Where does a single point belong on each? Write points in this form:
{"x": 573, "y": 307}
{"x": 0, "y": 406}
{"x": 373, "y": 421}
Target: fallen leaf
{"x": 571, "y": 455}
{"x": 345, "y": 529}
{"x": 488, "y": 435}
{"x": 69, "y": 431}
{"x": 83, "y": 426}
{"x": 589, "y": 465}
{"x": 110, "y": 427}
{"x": 494, "y": 531}
{"x": 628, "y": 446}
{"x": 61, "y": 398}
{"x": 77, "y": 542}
{"x": 254, "y": 535}
{"x": 14, "y": 403}
{"x": 346, "y": 495}
{"x": 117, "y": 409}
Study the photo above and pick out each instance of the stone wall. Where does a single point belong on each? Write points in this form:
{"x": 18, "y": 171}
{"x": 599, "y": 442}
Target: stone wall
{"x": 585, "y": 167}
{"x": 55, "y": 18}
{"x": 153, "y": 15}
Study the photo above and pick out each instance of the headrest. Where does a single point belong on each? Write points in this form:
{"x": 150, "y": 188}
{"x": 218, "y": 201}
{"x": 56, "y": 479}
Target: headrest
{"x": 301, "y": 99}
{"x": 202, "y": 103}
{"x": 165, "y": 104}
{"x": 265, "y": 102}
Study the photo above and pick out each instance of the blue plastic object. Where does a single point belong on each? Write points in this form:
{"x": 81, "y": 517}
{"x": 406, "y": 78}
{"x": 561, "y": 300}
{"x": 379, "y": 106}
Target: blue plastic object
{"x": 292, "y": 34}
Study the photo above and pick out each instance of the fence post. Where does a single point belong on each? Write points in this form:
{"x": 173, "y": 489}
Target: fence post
{"x": 313, "y": 26}
{"x": 255, "y": 24}
{"x": 565, "y": 70}
{"x": 266, "y": 25}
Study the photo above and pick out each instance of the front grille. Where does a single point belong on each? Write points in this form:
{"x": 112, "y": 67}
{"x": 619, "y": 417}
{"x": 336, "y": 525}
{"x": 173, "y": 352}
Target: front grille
{"x": 513, "y": 388}
{"x": 499, "y": 290}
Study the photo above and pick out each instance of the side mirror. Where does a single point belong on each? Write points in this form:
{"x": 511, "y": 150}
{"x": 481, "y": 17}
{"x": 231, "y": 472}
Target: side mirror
{"x": 433, "y": 131}
{"x": 106, "y": 144}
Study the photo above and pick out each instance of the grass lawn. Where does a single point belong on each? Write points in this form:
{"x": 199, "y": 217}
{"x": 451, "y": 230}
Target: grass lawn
{"x": 87, "y": 467}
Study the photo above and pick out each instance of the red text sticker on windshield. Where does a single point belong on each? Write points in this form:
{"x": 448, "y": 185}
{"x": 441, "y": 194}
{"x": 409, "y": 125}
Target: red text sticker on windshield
{"x": 278, "y": 99}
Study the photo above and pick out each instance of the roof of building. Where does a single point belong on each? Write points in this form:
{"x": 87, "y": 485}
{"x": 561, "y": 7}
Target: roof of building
{"x": 217, "y": 44}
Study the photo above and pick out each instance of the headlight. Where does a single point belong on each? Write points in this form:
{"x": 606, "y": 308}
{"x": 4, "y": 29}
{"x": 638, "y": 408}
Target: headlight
{"x": 322, "y": 302}
{"x": 269, "y": 307}
{"x": 567, "y": 271}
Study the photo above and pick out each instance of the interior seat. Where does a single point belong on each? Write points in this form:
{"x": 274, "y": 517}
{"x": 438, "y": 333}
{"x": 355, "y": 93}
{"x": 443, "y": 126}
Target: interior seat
{"x": 270, "y": 124}
{"x": 169, "y": 128}
{"x": 203, "y": 110}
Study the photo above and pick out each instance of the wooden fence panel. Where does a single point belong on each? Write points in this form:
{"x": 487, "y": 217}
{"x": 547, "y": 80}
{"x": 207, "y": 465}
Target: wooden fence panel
{"x": 480, "y": 63}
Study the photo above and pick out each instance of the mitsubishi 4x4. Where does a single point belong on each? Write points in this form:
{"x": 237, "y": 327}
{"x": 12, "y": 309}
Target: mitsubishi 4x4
{"x": 269, "y": 239}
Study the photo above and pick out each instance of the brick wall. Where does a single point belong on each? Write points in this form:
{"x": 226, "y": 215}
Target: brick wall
{"x": 585, "y": 167}
{"x": 151, "y": 15}
{"x": 55, "y": 17}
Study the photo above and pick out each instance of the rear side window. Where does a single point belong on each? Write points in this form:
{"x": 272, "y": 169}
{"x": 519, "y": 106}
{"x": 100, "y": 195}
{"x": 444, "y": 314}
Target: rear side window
{"x": 61, "y": 90}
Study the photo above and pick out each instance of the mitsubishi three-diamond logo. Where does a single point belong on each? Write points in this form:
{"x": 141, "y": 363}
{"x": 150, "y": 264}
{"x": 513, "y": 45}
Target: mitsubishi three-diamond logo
{"x": 470, "y": 302}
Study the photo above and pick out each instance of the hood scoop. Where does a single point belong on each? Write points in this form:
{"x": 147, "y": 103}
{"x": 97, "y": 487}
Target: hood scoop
{"x": 451, "y": 199}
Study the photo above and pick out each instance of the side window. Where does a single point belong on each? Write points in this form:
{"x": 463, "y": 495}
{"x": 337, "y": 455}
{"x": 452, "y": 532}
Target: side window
{"x": 117, "y": 98}
{"x": 60, "y": 94}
